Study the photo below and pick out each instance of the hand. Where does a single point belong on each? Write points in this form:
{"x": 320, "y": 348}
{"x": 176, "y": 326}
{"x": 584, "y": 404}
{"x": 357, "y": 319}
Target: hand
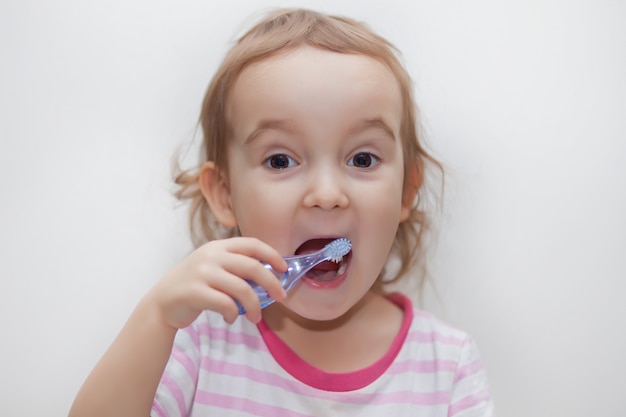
{"x": 212, "y": 277}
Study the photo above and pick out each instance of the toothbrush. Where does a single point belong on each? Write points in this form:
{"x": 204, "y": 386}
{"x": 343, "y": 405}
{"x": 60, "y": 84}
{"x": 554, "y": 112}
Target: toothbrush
{"x": 298, "y": 266}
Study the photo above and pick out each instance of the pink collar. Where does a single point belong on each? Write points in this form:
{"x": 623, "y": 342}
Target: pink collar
{"x": 338, "y": 382}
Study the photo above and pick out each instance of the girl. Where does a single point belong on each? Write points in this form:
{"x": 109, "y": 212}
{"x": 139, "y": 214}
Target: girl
{"x": 309, "y": 135}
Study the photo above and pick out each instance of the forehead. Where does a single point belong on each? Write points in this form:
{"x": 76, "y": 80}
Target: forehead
{"x": 315, "y": 85}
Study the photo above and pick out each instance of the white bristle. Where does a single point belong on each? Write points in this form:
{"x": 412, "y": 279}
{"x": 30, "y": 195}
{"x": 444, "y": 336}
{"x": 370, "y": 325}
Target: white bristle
{"x": 337, "y": 249}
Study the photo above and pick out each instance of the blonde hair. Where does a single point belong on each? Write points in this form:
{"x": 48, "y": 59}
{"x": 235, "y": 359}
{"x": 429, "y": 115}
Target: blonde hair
{"x": 284, "y": 30}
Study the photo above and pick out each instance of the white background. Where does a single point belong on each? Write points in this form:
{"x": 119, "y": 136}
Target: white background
{"x": 524, "y": 102}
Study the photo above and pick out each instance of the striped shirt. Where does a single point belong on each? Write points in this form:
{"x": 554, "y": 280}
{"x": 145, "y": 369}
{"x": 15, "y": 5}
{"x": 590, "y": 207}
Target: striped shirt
{"x": 243, "y": 369}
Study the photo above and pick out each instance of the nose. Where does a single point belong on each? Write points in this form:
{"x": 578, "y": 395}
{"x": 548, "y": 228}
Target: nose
{"x": 326, "y": 190}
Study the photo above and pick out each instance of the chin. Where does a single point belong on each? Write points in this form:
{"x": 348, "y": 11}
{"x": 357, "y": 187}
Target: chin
{"x": 317, "y": 315}
{"x": 315, "y": 311}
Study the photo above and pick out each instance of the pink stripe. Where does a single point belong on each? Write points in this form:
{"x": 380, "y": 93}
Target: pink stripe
{"x": 432, "y": 337}
{"x": 468, "y": 402}
{"x": 186, "y": 362}
{"x": 176, "y": 392}
{"x": 193, "y": 334}
{"x": 242, "y": 404}
{"x": 469, "y": 369}
{"x": 273, "y": 380}
{"x": 237, "y": 338}
{"x": 156, "y": 407}
{"x": 422, "y": 367}
{"x": 245, "y": 371}
{"x": 412, "y": 397}
{"x": 422, "y": 313}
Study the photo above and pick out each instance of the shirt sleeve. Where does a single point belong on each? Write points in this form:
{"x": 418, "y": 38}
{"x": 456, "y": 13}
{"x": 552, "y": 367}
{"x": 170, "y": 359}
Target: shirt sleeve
{"x": 176, "y": 390}
{"x": 470, "y": 395}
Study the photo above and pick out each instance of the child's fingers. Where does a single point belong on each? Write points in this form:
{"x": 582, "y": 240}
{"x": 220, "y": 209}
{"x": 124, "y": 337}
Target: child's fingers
{"x": 222, "y": 303}
{"x": 256, "y": 249}
{"x": 220, "y": 294}
{"x": 253, "y": 270}
{"x": 242, "y": 257}
{"x": 215, "y": 275}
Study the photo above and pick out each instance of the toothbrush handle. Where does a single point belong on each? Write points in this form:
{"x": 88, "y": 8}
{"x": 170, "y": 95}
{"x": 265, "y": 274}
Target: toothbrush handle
{"x": 264, "y": 297}
{"x": 297, "y": 266}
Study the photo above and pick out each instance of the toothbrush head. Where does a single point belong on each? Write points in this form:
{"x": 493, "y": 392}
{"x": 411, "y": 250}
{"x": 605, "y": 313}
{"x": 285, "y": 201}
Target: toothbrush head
{"x": 336, "y": 249}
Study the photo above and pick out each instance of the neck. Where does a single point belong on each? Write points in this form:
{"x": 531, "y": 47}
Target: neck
{"x": 368, "y": 328}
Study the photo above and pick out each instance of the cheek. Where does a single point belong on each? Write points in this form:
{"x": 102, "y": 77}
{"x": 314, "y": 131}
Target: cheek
{"x": 384, "y": 215}
{"x": 260, "y": 209}
{"x": 387, "y": 198}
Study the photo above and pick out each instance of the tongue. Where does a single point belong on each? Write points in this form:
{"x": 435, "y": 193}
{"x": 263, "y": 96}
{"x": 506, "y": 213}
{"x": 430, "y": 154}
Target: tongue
{"x": 327, "y": 266}
{"x": 321, "y": 275}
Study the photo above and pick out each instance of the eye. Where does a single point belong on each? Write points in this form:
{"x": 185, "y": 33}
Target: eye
{"x": 363, "y": 160}
{"x": 280, "y": 161}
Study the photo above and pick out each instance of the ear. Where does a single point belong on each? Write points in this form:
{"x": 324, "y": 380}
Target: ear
{"x": 215, "y": 189}
{"x": 411, "y": 187}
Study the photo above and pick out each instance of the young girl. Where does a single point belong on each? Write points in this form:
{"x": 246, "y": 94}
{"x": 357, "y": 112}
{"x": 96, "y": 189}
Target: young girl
{"x": 309, "y": 135}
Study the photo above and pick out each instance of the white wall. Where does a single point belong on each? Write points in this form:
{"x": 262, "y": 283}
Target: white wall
{"x": 523, "y": 101}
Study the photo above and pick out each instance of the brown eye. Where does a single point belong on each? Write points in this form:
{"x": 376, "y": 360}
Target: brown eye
{"x": 279, "y": 161}
{"x": 363, "y": 160}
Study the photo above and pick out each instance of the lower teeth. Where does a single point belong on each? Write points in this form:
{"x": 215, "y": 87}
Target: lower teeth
{"x": 342, "y": 268}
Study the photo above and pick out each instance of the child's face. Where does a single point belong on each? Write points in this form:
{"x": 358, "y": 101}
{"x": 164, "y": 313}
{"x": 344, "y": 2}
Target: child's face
{"x": 315, "y": 153}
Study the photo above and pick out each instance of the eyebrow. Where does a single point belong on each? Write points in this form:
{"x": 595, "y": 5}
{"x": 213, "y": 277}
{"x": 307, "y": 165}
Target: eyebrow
{"x": 268, "y": 124}
{"x": 285, "y": 126}
{"x": 375, "y": 124}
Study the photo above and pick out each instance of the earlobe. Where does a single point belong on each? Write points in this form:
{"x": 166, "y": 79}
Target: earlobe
{"x": 215, "y": 189}
{"x": 411, "y": 187}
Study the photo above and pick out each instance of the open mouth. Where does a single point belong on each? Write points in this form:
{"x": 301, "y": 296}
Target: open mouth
{"x": 327, "y": 271}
